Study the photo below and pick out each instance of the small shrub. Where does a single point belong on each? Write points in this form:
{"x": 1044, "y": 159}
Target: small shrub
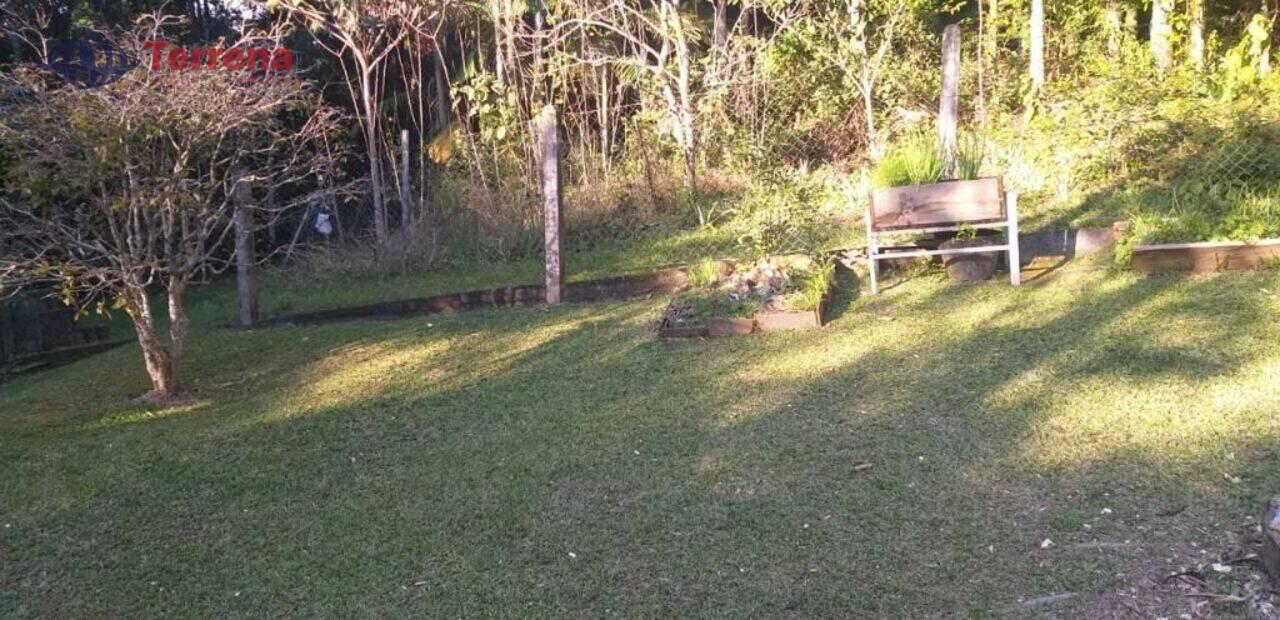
{"x": 811, "y": 286}
{"x": 704, "y": 274}
{"x": 970, "y": 152}
{"x": 783, "y": 214}
{"x": 914, "y": 160}
{"x": 1196, "y": 211}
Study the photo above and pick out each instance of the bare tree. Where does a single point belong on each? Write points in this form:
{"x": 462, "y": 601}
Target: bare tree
{"x": 366, "y": 34}
{"x": 29, "y": 28}
{"x": 659, "y": 45}
{"x": 127, "y": 190}
{"x": 863, "y": 66}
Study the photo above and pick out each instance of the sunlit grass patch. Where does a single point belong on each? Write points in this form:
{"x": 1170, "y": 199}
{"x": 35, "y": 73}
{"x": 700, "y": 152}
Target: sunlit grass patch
{"x": 451, "y": 464}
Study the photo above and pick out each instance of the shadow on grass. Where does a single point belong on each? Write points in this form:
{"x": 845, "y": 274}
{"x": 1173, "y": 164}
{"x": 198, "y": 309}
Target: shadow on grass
{"x": 551, "y": 462}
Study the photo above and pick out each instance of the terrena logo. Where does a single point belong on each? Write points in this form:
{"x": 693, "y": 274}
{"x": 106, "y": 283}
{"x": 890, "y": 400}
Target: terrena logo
{"x": 166, "y": 55}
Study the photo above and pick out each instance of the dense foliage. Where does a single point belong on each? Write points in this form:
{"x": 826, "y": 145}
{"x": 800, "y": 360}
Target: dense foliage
{"x": 683, "y": 115}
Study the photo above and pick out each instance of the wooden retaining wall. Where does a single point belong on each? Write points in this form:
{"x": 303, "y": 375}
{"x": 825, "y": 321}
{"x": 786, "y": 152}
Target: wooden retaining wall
{"x": 663, "y": 281}
{"x": 763, "y": 322}
{"x": 1210, "y": 257}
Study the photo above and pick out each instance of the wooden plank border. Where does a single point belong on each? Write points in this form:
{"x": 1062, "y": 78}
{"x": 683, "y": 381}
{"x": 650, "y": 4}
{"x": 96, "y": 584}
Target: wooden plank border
{"x": 662, "y": 281}
{"x": 1205, "y": 257}
{"x": 763, "y": 322}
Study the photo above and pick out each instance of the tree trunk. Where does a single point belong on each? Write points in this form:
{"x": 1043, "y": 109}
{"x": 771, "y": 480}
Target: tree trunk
{"x": 1113, "y": 22}
{"x": 602, "y": 115}
{"x": 867, "y": 76}
{"x": 246, "y": 278}
{"x": 1037, "y": 44}
{"x": 442, "y": 89}
{"x": 1160, "y": 32}
{"x": 161, "y": 364}
{"x": 982, "y": 67}
{"x": 1195, "y": 33}
{"x": 1269, "y": 9}
{"x": 720, "y": 33}
{"x": 858, "y": 23}
{"x": 684, "y": 89}
{"x": 406, "y": 192}
{"x": 875, "y": 148}
{"x": 499, "y": 45}
{"x": 370, "y": 126}
{"x": 179, "y": 325}
{"x": 993, "y": 31}
{"x": 161, "y": 368}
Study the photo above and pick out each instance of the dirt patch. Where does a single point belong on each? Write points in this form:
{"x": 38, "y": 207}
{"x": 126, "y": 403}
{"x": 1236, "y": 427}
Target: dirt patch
{"x": 1188, "y": 581}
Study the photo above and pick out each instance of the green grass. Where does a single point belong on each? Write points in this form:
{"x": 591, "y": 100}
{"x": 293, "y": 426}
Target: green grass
{"x": 533, "y": 462}
{"x": 284, "y": 292}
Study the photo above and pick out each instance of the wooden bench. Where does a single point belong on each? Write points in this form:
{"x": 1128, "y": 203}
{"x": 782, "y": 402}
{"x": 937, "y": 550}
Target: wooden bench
{"x": 942, "y": 207}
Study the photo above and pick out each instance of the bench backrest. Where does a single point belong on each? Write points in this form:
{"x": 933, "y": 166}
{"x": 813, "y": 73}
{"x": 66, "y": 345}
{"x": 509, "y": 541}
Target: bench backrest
{"x": 939, "y": 205}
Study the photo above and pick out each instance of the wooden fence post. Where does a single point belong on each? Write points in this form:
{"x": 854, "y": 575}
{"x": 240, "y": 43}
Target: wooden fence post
{"x": 549, "y": 166}
{"x": 950, "y": 96}
{"x": 246, "y": 263}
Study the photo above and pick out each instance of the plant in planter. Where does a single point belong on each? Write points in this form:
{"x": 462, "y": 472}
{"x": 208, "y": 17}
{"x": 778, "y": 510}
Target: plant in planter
{"x": 916, "y": 159}
{"x": 974, "y": 266}
{"x": 771, "y": 293}
{"x": 911, "y": 200}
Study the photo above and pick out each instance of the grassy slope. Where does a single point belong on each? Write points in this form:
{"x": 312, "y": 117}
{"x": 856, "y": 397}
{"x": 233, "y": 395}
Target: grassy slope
{"x": 525, "y": 461}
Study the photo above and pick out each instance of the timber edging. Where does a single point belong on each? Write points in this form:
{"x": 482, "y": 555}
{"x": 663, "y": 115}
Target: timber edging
{"x": 662, "y": 281}
{"x": 1207, "y": 257}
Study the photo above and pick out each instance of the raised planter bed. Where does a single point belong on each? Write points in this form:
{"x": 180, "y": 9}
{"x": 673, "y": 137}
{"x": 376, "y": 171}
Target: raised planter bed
{"x": 1209, "y": 257}
{"x": 792, "y": 321}
{"x": 945, "y": 204}
{"x": 768, "y": 285}
{"x": 762, "y": 322}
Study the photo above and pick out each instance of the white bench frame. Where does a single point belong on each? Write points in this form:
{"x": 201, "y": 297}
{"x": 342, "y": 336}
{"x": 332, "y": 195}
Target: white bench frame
{"x": 875, "y": 254}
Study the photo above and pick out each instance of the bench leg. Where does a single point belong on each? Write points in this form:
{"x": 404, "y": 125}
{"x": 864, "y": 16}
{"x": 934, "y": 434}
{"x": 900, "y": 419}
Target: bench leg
{"x": 874, "y": 271}
{"x": 1015, "y": 252}
{"x": 872, "y": 250}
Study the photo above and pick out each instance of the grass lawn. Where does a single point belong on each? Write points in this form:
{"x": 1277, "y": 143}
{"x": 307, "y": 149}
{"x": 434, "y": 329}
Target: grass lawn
{"x": 288, "y": 292}
{"x": 533, "y": 462}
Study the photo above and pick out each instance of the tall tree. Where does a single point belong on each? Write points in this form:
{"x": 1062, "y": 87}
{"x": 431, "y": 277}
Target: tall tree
{"x": 992, "y": 27}
{"x": 1037, "y": 44}
{"x": 720, "y": 29}
{"x": 365, "y": 34}
{"x": 1195, "y": 33}
{"x": 1161, "y": 31}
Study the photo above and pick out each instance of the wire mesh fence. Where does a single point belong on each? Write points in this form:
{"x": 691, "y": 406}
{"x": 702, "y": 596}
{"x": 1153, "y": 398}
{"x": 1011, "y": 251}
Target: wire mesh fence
{"x": 1247, "y": 157}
